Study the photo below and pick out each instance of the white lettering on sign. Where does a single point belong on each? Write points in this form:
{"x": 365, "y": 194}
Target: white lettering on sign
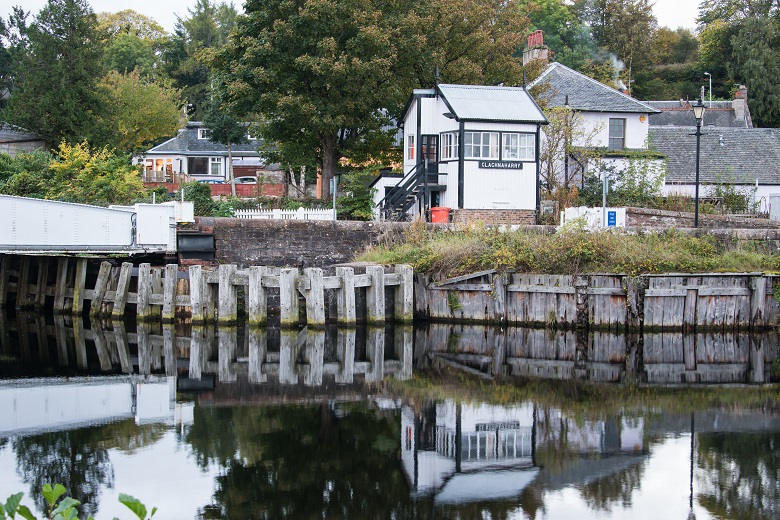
{"x": 501, "y": 165}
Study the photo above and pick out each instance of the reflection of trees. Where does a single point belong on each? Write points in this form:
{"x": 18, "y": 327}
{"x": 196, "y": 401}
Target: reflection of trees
{"x": 305, "y": 462}
{"x": 741, "y": 474}
{"x": 617, "y": 487}
{"x": 72, "y": 458}
{"x": 78, "y": 459}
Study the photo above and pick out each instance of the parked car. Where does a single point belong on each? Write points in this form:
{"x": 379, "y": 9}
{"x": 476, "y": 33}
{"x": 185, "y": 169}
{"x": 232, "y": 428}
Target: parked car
{"x": 211, "y": 181}
{"x": 248, "y": 179}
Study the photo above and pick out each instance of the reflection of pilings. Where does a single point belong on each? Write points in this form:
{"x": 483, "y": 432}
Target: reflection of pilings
{"x": 375, "y": 352}
{"x": 258, "y": 346}
{"x": 200, "y": 349}
{"x": 757, "y": 368}
{"x": 79, "y": 340}
{"x": 228, "y": 345}
{"x": 122, "y": 347}
{"x": 288, "y": 352}
{"x": 404, "y": 344}
{"x": 169, "y": 348}
{"x": 314, "y": 356}
{"x": 345, "y": 353}
{"x": 144, "y": 350}
{"x": 61, "y": 338}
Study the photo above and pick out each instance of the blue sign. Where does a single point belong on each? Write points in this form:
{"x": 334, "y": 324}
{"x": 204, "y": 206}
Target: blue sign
{"x": 611, "y": 218}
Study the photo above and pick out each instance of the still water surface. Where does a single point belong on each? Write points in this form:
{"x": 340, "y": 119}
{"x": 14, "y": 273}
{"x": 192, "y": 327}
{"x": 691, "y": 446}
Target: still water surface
{"x": 208, "y": 424}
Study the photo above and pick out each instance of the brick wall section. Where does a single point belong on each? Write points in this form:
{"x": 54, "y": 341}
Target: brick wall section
{"x": 291, "y": 242}
{"x": 493, "y": 216}
{"x": 656, "y": 218}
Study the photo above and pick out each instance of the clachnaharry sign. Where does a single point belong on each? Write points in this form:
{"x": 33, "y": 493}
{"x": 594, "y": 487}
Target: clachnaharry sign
{"x": 501, "y": 165}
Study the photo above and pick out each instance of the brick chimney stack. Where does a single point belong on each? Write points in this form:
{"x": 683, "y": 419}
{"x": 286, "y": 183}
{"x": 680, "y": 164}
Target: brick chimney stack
{"x": 536, "y": 49}
{"x": 740, "y": 106}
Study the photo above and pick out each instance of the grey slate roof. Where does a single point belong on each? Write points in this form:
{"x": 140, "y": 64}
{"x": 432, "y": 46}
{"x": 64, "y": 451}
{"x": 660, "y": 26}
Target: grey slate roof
{"x": 585, "y": 94}
{"x": 720, "y": 115}
{"x": 491, "y": 103}
{"x": 15, "y": 134}
{"x": 728, "y": 155}
{"x": 187, "y": 143}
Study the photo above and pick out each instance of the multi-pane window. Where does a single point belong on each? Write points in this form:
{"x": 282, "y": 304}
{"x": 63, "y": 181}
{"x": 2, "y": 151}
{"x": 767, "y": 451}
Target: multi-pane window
{"x": 480, "y": 145}
{"x": 203, "y": 133}
{"x": 215, "y": 166}
{"x": 617, "y": 134}
{"x": 518, "y": 147}
{"x": 410, "y": 147}
{"x": 449, "y": 145}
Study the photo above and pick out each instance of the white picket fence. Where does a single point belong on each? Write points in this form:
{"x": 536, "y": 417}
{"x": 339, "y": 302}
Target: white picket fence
{"x": 284, "y": 214}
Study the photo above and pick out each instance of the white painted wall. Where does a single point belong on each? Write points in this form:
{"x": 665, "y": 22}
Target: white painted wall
{"x": 635, "y": 130}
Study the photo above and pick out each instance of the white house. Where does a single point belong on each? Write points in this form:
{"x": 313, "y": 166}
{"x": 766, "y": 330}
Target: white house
{"x": 191, "y": 154}
{"x": 470, "y": 148}
{"x": 615, "y": 124}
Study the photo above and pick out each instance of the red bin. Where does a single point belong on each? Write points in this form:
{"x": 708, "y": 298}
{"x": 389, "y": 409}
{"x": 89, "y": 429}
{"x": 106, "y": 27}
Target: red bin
{"x": 440, "y": 214}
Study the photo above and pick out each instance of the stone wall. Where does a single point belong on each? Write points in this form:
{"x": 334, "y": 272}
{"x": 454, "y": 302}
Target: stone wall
{"x": 298, "y": 243}
{"x": 656, "y": 218}
{"x": 494, "y": 216}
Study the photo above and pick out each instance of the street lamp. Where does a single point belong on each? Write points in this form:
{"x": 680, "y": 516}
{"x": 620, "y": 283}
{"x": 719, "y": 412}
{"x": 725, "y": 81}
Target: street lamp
{"x": 698, "y": 113}
{"x": 710, "y": 76}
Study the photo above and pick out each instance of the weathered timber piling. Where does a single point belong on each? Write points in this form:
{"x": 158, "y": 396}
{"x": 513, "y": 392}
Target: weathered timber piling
{"x": 208, "y": 295}
{"x": 619, "y": 303}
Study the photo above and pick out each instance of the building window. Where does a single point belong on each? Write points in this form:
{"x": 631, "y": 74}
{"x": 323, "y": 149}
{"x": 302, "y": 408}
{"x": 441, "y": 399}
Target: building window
{"x": 449, "y": 145}
{"x": 518, "y": 147}
{"x": 203, "y": 133}
{"x": 410, "y": 147}
{"x": 215, "y": 166}
{"x": 617, "y": 134}
{"x": 480, "y": 145}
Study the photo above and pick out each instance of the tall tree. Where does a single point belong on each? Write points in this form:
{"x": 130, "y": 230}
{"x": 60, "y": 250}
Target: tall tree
{"x": 55, "y": 92}
{"x": 329, "y": 74}
{"x": 206, "y": 27}
{"x": 132, "y": 41}
{"x": 139, "y": 110}
{"x": 224, "y": 127}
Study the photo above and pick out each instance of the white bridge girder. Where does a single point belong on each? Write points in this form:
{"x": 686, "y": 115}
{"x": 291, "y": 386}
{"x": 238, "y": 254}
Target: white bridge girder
{"x": 35, "y": 226}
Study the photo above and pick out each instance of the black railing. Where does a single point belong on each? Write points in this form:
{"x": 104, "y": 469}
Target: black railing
{"x": 405, "y": 194}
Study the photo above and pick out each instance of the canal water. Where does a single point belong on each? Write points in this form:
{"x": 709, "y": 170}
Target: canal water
{"x": 236, "y": 423}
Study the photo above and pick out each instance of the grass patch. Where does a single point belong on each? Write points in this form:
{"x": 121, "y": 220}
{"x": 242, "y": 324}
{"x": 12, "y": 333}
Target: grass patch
{"x": 447, "y": 253}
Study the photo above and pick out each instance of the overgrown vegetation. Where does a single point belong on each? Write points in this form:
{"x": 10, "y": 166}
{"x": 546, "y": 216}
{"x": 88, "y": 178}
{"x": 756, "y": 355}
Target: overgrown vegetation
{"x": 569, "y": 251}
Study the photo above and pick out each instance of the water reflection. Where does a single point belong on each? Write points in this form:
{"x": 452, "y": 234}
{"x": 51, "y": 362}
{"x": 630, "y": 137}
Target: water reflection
{"x": 313, "y": 358}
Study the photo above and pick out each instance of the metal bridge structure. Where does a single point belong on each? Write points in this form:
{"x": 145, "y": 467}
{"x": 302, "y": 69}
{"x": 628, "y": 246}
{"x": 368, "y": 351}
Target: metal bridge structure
{"x": 47, "y": 227}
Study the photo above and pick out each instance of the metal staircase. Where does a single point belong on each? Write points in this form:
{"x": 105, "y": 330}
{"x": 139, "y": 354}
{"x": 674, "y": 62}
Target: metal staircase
{"x": 414, "y": 185}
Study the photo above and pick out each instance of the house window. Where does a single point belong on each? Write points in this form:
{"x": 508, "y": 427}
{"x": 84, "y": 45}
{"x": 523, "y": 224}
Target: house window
{"x": 449, "y": 145}
{"x": 617, "y": 134}
{"x": 410, "y": 147}
{"x": 215, "y": 166}
{"x": 203, "y": 133}
{"x": 480, "y": 145}
{"x": 518, "y": 147}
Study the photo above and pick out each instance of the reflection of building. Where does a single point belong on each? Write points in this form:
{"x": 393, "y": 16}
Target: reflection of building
{"x": 463, "y": 453}
{"x": 34, "y": 406}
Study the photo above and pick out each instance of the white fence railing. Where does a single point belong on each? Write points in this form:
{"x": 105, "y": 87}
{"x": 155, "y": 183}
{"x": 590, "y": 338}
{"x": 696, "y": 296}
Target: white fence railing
{"x": 284, "y": 214}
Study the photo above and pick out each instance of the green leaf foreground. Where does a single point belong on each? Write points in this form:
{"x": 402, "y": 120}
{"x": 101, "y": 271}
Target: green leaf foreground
{"x": 65, "y": 508}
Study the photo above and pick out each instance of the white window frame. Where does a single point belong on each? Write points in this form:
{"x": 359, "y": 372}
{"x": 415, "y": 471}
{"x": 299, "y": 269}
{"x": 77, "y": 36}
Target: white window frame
{"x": 215, "y": 162}
{"x": 481, "y": 145}
{"x": 450, "y": 144}
{"x": 518, "y": 146}
{"x": 410, "y": 149}
{"x": 622, "y": 137}
{"x": 203, "y": 133}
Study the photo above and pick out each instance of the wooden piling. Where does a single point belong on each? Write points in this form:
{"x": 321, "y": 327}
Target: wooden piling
{"x": 61, "y": 287}
{"x": 5, "y": 270}
{"x": 257, "y": 297}
{"x": 199, "y": 294}
{"x": 169, "y": 293}
{"x": 375, "y": 295}
{"x": 228, "y": 295}
{"x": 315, "y": 298}
{"x": 99, "y": 292}
{"x": 79, "y": 286}
{"x": 288, "y": 297}
{"x": 345, "y": 297}
{"x": 22, "y": 282}
{"x": 40, "y": 287}
{"x": 404, "y": 294}
{"x": 121, "y": 293}
{"x": 143, "y": 305}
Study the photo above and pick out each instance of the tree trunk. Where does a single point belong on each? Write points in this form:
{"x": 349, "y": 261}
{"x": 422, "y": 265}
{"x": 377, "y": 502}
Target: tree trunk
{"x": 329, "y": 156}
{"x": 230, "y": 170}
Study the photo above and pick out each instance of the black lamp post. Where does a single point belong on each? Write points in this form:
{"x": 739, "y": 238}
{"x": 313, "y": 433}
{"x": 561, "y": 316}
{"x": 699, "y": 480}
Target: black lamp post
{"x": 698, "y": 113}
